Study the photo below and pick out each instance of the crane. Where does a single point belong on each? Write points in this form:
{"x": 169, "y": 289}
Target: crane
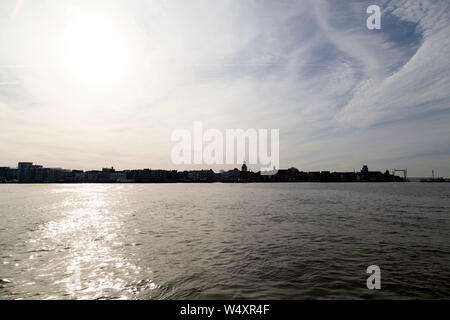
{"x": 405, "y": 172}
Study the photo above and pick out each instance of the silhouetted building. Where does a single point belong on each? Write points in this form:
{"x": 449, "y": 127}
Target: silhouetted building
{"x": 244, "y": 175}
{"x": 23, "y": 170}
{"x": 229, "y": 176}
{"x": 4, "y": 174}
{"x": 29, "y": 173}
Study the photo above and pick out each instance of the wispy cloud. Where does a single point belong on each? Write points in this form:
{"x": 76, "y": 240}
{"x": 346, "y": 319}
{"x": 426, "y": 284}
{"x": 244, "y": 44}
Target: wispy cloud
{"x": 341, "y": 94}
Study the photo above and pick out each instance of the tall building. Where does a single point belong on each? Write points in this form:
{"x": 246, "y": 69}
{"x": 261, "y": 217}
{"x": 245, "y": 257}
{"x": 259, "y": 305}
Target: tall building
{"x": 3, "y": 173}
{"x": 23, "y": 168}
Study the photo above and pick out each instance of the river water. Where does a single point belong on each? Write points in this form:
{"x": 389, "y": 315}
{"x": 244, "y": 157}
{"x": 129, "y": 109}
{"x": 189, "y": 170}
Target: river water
{"x": 224, "y": 241}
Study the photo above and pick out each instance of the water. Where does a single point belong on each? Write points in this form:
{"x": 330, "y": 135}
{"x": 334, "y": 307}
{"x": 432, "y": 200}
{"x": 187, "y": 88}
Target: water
{"x": 223, "y": 241}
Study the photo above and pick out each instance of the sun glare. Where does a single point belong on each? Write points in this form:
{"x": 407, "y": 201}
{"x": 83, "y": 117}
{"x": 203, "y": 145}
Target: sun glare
{"x": 96, "y": 52}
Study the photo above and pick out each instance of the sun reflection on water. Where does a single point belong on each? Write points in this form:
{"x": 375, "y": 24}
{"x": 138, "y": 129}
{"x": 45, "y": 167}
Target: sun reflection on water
{"x": 87, "y": 242}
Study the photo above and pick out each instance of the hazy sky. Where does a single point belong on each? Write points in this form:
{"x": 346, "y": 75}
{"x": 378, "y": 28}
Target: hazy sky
{"x": 89, "y": 84}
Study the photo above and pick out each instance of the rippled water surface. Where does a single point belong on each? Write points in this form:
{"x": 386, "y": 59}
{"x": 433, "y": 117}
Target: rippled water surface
{"x": 223, "y": 241}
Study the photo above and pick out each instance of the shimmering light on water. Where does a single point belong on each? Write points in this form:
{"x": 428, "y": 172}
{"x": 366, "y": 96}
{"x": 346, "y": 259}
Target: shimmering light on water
{"x": 174, "y": 241}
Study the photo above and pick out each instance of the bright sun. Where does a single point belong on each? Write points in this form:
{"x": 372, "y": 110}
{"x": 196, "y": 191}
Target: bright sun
{"x": 96, "y": 52}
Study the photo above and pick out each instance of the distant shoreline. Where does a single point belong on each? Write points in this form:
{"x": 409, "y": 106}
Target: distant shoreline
{"x": 222, "y": 182}
{"x": 27, "y": 172}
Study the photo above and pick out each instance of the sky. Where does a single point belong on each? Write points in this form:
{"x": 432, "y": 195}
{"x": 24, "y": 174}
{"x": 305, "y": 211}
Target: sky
{"x": 92, "y": 84}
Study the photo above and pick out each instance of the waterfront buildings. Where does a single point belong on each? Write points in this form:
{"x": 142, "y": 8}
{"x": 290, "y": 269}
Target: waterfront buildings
{"x": 27, "y": 172}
